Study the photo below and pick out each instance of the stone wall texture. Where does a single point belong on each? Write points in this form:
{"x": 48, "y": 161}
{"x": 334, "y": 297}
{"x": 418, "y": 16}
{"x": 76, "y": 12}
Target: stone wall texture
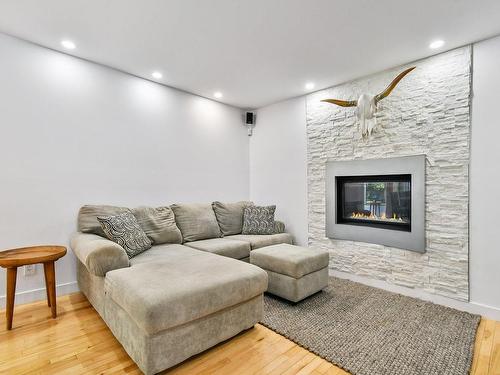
{"x": 428, "y": 113}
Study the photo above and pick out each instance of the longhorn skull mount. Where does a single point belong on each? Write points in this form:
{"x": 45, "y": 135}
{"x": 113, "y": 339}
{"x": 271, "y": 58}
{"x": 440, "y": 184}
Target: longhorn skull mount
{"x": 366, "y": 105}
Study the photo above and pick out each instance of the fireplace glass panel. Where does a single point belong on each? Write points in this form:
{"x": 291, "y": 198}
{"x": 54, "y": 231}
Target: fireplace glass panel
{"x": 382, "y": 201}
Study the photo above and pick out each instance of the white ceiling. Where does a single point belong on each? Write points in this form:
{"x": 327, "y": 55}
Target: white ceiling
{"x": 257, "y": 51}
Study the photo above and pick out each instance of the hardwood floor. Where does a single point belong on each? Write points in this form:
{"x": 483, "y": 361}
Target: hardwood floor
{"x": 78, "y": 342}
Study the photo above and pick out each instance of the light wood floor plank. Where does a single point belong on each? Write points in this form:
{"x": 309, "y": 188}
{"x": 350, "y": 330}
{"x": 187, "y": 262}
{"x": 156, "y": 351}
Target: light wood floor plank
{"x": 299, "y": 365}
{"x": 477, "y": 345}
{"x": 494, "y": 368}
{"x": 310, "y": 367}
{"x": 325, "y": 366}
{"x": 79, "y": 342}
{"x": 484, "y": 352}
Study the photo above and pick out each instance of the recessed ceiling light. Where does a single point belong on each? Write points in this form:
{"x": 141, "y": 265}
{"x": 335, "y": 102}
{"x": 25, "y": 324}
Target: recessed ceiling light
{"x": 436, "y": 44}
{"x": 218, "y": 94}
{"x": 309, "y": 86}
{"x": 68, "y": 44}
{"x": 157, "y": 75}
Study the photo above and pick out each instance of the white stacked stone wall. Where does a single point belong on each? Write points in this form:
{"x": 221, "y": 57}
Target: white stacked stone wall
{"x": 428, "y": 113}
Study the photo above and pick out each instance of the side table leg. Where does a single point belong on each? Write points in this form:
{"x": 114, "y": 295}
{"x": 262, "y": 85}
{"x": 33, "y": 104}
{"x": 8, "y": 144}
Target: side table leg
{"x": 50, "y": 278}
{"x": 46, "y": 283}
{"x": 11, "y": 293}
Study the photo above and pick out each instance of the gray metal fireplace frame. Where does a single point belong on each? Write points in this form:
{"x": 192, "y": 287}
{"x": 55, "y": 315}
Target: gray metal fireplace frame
{"x": 414, "y": 165}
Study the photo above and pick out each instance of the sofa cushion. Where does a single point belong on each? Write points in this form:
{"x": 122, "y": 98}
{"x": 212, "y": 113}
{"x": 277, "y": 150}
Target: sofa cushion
{"x": 258, "y": 220}
{"x": 126, "y": 232}
{"x": 159, "y": 224}
{"x": 183, "y": 285}
{"x": 230, "y": 216}
{"x": 290, "y": 260}
{"x": 87, "y": 217}
{"x": 279, "y": 226}
{"x": 258, "y": 240}
{"x": 196, "y": 221}
{"x": 223, "y": 246}
{"x": 170, "y": 252}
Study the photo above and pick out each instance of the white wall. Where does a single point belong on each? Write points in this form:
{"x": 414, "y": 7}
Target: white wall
{"x": 484, "y": 174}
{"x": 74, "y": 132}
{"x": 278, "y": 164}
{"x": 484, "y": 266}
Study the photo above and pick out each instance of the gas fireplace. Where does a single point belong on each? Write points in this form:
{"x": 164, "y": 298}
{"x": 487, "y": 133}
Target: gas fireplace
{"x": 378, "y": 201}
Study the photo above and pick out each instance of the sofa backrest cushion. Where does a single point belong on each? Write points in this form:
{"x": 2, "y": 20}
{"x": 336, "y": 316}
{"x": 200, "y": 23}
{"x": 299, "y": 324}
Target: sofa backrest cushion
{"x": 230, "y": 216}
{"x": 159, "y": 224}
{"x": 196, "y": 221}
{"x": 87, "y": 217}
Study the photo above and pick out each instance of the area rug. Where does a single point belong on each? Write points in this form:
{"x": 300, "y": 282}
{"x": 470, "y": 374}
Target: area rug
{"x": 369, "y": 331}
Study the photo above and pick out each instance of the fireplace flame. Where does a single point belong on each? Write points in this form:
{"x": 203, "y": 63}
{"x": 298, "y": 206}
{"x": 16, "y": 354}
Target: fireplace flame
{"x": 372, "y": 216}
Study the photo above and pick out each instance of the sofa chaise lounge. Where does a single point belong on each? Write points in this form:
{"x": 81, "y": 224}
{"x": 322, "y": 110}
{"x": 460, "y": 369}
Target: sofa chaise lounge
{"x": 190, "y": 291}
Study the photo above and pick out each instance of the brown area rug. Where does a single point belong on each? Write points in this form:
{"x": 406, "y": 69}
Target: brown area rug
{"x": 369, "y": 331}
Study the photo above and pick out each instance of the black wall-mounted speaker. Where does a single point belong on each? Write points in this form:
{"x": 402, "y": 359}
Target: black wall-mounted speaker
{"x": 250, "y": 118}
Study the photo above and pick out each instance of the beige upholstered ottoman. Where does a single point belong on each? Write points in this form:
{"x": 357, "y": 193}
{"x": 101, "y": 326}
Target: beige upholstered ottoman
{"x": 294, "y": 272}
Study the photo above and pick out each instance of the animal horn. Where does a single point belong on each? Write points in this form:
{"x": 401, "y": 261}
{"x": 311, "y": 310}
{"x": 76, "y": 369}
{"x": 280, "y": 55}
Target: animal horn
{"x": 392, "y": 85}
{"x": 342, "y": 103}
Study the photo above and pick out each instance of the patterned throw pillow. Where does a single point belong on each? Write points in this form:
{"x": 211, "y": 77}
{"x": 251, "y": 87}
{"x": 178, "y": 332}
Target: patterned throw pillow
{"x": 258, "y": 220}
{"x": 126, "y": 232}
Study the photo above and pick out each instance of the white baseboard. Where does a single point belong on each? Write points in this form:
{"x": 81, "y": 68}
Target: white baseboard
{"x": 471, "y": 307}
{"x": 40, "y": 294}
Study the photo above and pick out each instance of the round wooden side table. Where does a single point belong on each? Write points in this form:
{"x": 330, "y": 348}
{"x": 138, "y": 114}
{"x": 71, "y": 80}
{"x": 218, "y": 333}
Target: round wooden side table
{"x": 11, "y": 259}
